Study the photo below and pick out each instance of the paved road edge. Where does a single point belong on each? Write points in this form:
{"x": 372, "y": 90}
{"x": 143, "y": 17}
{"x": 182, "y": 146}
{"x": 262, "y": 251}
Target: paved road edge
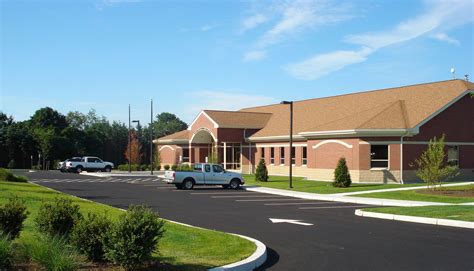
{"x": 250, "y": 263}
{"x": 417, "y": 219}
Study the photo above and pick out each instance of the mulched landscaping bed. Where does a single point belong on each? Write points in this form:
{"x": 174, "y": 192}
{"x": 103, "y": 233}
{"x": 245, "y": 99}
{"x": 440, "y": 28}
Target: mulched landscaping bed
{"x": 464, "y": 193}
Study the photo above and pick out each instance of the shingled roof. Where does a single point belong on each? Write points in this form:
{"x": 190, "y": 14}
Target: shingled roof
{"x": 178, "y": 137}
{"x": 387, "y": 109}
{"x": 239, "y": 119}
{"x": 396, "y": 110}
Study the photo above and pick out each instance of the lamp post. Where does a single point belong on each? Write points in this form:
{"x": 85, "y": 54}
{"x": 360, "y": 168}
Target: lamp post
{"x": 291, "y": 140}
{"x": 129, "y": 142}
{"x": 130, "y": 153}
{"x": 151, "y": 137}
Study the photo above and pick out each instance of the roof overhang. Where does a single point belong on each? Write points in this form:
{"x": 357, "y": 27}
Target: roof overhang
{"x": 360, "y": 133}
{"x": 274, "y": 138}
{"x": 171, "y": 141}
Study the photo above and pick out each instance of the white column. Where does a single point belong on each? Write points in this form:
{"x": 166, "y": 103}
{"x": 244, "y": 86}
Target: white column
{"x": 225, "y": 155}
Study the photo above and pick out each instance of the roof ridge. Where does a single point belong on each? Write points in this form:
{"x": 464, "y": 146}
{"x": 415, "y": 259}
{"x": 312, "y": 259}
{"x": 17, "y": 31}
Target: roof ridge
{"x": 397, "y": 102}
{"x": 229, "y": 111}
{"x": 367, "y": 91}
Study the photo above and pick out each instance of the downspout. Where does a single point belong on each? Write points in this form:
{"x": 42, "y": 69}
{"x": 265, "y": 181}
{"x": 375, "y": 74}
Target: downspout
{"x": 401, "y": 158}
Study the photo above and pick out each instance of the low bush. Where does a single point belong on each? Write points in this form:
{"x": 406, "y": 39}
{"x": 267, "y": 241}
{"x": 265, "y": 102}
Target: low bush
{"x": 184, "y": 167}
{"x": 167, "y": 167}
{"x": 342, "y": 178}
{"x": 134, "y": 237}
{"x": 261, "y": 173}
{"x": 157, "y": 167}
{"x": 6, "y": 175}
{"x": 58, "y": 218}
{"x": 6, "y": 252}
{"x": 12, "y": 215}
{"x": 53, "y": 253}
{"x": 174, "y": 167}
{"x": 88, "y": 236}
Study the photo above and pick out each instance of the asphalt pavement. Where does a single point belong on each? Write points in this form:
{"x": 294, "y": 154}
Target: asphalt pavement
{"x": 305, "y": 234}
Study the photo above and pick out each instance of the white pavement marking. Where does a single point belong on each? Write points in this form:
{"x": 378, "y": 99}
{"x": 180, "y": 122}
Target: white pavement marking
{"x": 300, "y": 203}
{"x": 290, "y": 221}
{"x": 245, "y": 196}
{"x": 221, "y": 193}
{"x": 157, "y": 185}
{"x": 163, "y": 187}
{"x": 333, "y": 207}
{"x": 273, "y": 199}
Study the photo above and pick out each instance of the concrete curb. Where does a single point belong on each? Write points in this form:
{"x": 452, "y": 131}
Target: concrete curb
{"x": 417, "y": 219}
{"x": 338, "y": 198}
{"x": 248, "y": 264}
{"x": 402, "y": 189}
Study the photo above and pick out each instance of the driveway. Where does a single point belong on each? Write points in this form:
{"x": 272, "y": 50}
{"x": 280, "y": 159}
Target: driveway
{"x": 324, "y": 235}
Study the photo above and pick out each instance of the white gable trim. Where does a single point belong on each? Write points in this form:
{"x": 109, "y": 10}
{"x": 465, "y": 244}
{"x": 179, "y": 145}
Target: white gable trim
{"x": 167, "y": 147}
{"x": 207, "y": 116}
{"x": 332, "y": 141}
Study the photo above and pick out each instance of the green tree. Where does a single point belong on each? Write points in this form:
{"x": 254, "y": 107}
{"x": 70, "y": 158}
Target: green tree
{"x": 48, "y": 118}
{"x": 432, "y": 167}
{"x": 342, "y": 178}
{"x": 166, "y": 124}
{"x": 261, "y": 173}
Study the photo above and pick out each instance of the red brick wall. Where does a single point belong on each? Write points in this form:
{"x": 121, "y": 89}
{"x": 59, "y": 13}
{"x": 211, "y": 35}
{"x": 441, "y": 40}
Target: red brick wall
{"x": 326, "y": 156}
{"x": 203, "y": 122}
{"x": 168, "y": 155}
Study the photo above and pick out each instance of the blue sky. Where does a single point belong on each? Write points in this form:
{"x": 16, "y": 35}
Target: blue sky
{"x": 193, "y": 55}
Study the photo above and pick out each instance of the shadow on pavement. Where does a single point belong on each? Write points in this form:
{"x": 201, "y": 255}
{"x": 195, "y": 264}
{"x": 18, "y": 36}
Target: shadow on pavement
{"x": 272, "y": 258}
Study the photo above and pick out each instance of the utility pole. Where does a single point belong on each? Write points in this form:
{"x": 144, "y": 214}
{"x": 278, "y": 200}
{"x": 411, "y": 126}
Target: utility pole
{"x": 151, "y": 136}
{"x": 129, "y": 141}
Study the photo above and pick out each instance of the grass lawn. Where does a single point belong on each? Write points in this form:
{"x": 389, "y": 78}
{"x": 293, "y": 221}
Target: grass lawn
{"x": 459, "y": 212}
{"x": 318, "y": 187}
{"x": 184, "y": 247}
{"x": 418, "y": 195}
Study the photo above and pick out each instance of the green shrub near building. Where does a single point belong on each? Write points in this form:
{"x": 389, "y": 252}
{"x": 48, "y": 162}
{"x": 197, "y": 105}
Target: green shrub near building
{"x": 342, "y": 178}
{"x": 261, "y": 173}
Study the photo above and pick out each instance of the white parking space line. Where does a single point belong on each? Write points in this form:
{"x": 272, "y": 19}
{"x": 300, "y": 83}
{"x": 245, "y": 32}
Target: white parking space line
{"x": 333, "y": 207}
{"x": 222, "y": 193}
{"x": 245, "y": 196}
{"x": 300, "y": 203}
{"x": 273, "y": 199}
{"x": 167, "y": 185}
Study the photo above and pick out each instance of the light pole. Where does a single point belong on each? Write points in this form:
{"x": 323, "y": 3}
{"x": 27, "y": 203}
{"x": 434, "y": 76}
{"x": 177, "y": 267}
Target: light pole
{"x": 151, "y": 137}
{"x": 291, "y": 140}
{"x": 129, "y": 142}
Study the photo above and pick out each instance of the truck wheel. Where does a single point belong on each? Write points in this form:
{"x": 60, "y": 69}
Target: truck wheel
{"x": 108, "y": 169}
{"x": 78, "y": 169}
{"x": 188, "y": 184}
{"x": 225, "y": 186}
{"x": 234, "y": 184}
{"x": 178, "y": 186}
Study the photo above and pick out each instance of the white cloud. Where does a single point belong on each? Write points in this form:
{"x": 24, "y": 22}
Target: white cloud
{"x": 323, "y": 64}
{"x": 445, "y": 38}
{"x": 207, "y": 27}
{"x": 295, "y": 17}
{"x": 440, "y": 15}
{"x": 254, "y": 55}
{"x": 253, "y": 21}
{"x": 224, "y": 100}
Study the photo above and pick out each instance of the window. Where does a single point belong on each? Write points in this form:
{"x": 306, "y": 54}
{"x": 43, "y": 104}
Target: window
{"x": 453, "y": 155}
{"x": 282, "y": 155}
{"x": 304, "y": 156}
{"x": 217, "y": 169}
{"x": 272, "y": 155}
{"x": 207, "y": 168}
{"x": 379, "y": 156}
{"x": 262, "y": 153}
{"x": 197, "y": 167}
{"x": 185, "y": 155}
{"x": 293, "y": 155}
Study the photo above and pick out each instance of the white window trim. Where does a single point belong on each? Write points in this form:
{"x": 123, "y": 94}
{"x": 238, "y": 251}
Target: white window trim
{"x": 388, "y": 160}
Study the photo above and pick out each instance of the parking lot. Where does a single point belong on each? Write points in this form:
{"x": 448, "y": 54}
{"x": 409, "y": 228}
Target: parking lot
{"x": 300, "y": 234}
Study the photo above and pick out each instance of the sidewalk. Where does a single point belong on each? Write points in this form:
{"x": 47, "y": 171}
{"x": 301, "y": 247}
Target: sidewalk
{"x": 341, "y": 198}
{"x": 403, "y": 189}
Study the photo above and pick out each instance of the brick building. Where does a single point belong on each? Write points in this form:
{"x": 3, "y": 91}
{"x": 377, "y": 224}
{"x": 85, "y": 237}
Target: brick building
{"x": 380, "y": 133}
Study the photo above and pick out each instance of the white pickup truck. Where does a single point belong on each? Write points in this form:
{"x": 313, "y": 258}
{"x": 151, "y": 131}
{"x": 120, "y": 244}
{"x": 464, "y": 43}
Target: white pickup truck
{"x": 89, "y": 163}
{"x": 204, "y": 174}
